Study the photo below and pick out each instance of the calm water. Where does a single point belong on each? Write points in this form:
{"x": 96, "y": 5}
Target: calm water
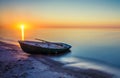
{"x": 99, "y": 45}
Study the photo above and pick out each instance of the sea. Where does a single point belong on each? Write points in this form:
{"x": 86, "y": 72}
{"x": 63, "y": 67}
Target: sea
{"x": 91, "y": 48}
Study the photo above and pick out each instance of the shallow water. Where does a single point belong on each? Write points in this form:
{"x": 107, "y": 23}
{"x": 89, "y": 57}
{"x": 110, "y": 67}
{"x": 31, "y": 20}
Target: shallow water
{"x": 99, "y": 45}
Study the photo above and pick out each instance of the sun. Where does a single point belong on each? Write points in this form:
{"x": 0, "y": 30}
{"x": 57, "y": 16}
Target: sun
{"x": 22, "y": 31}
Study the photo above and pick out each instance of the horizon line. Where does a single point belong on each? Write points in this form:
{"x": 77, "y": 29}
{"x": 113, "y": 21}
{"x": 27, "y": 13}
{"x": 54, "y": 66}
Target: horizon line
{"x": 83, "y": 27}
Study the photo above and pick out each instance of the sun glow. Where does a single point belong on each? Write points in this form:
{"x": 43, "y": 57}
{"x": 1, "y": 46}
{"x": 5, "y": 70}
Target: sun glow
{"x": 22, "y": 32}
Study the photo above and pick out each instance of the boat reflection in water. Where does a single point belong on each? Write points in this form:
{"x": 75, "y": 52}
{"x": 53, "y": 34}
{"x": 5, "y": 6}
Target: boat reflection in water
{"x": 44, "y": 47}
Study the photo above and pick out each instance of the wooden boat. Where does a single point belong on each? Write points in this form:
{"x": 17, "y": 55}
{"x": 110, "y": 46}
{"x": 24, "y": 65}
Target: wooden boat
{"x": 43, "y": 47}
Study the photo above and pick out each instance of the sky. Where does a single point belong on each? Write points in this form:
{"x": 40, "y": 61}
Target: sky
{"x": 60, "y": 13}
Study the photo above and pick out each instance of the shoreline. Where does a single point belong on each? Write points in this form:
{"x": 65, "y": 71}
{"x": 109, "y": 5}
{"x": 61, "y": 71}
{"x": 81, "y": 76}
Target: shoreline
{"x": 15, "y": 63}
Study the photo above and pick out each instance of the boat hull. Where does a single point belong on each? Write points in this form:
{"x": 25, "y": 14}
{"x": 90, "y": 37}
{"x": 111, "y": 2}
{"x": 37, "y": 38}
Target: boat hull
{"x": 41, "y": 50}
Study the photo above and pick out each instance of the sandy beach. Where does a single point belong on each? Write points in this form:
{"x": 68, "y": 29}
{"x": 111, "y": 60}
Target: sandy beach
{"x": 14, "y": 63}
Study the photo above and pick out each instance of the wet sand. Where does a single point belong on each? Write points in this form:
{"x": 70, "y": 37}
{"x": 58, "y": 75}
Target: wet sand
{"x": 14, "y": 63}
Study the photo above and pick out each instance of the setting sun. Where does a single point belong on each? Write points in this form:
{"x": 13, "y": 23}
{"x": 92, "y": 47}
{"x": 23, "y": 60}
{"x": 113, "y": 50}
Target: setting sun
{"x": 22, "y": 32}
